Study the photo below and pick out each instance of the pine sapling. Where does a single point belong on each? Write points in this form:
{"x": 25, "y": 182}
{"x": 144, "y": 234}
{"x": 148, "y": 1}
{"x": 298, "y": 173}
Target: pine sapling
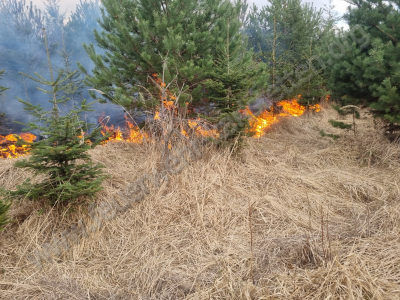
{"x": 333, "y": 136}
{"x": 231, "y": 78}
{"x": 4, "y": 206}
{"x": 343, "y": 111}
{"x": 2, "y": 89}
{"x": 4, "y": 219}
{"x": 62, "y": 156}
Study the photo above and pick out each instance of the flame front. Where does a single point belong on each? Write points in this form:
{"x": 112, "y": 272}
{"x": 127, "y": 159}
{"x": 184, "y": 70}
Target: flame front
{"x": 132, "y": 132}
{"x": 168, "y": 104}
{"x": 268, "y": 117}
{"x": 135, "y": 135}
{"x": 8, "y": 149}
{"x": 200, "y": 130}
{"x": 168, "y": 100}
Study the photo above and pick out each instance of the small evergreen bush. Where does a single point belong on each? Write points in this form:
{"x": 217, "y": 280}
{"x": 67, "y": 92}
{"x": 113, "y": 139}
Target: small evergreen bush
{"x": 4, "y": 207}
{"x": 339, "y": 124}
{"x": 232, "y": 77}
{"x": 62, "y": 156}
{"x": 343, "y": 111}
{"x": 2, "y": 89}
{"x": 333, "y": 136}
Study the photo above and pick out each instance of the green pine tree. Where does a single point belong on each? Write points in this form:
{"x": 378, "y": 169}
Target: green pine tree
{"x": 4, "y": 219}
{"x": 138, "y": 34}
{"x": 80, "y": 26}
{"x": 231, "y": 80}
{"x": 283, "y": 33}
{"x": 368, "y": 71}
{"x": 314, "y": 85}
{"x": 2, "y": 89}
{"x": 343, "y": 111}
{"x": 74, "y": 85}
{"x": 4, "y": 206}
{"x": 54, "y": 20}
{"x": 62, "y": 156}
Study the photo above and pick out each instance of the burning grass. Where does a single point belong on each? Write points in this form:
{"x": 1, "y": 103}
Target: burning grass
{"x": 267, "y": 118}
{"x": 131, "y": 133}
{"x": 8, "y": 149}
{"x": 325, "y": 224}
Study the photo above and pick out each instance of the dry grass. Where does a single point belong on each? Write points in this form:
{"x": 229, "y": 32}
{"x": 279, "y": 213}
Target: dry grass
{"x": 325, "y": 224}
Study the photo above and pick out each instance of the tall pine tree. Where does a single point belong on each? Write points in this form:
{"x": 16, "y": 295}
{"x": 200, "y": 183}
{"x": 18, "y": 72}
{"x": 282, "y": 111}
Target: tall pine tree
{"x": 368, "y": 71}
{"x": 4, "y": 206}
{"x": 138, "y": 34}
{"x": 232, "y": 78}
{"x": 79, "y": 29}
{"x": 2, "y": 89}
{"x": 286, "y": 34}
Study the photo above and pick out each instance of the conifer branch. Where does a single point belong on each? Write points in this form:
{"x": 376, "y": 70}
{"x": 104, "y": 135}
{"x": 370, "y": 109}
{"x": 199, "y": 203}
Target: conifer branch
{"x": 55, "y": 107}
{"x": 391, "y": 37}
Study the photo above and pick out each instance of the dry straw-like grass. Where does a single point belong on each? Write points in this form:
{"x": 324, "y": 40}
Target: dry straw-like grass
{"x": 325, "y": 224}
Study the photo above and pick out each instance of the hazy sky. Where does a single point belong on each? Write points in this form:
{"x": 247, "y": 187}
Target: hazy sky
{"x": 340, "y": 5}
{"x": 66, "y": 5}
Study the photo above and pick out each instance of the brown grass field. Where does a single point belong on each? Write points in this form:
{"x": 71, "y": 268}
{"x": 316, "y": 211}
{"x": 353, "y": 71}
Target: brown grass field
{"x": 324, "y": 218}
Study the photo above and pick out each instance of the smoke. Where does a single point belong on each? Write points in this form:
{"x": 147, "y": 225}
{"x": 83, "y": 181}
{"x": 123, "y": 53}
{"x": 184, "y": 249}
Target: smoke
{"x": 22, "y": 49}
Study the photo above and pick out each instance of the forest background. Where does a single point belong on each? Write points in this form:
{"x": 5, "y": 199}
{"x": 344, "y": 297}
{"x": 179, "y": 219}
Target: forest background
{"x": 67, "y": 29}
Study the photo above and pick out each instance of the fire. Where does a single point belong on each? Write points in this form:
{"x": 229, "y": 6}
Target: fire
{"x": 268, "y": 117}
{"x": 260, "y": 123}
{"x": 29, "y": 137}
{"x": 200, "y": 130}
{"x": 292, "y": 107}
{"x": 8, "y": 149}
{"x": 168, "y": 104}
{"x": 133, "y": 133}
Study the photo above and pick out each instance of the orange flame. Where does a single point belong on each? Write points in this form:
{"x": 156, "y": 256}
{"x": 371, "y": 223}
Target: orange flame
{"x": 200, "y": 130}
{"x": 168, "y": 104}
{"x": 134, "y": 133}
{"x": 196, "y": 125}
{"x": 267, "y": 118}
{"x": 8, "y": 149}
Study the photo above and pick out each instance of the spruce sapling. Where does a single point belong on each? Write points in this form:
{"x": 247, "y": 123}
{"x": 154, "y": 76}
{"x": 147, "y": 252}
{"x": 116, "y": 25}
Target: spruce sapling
{"x": 4, "y": 206}
{"x": 62, "y": 156}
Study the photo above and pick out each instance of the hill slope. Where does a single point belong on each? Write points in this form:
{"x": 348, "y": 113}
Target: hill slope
{"x": 325, "y": 219}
